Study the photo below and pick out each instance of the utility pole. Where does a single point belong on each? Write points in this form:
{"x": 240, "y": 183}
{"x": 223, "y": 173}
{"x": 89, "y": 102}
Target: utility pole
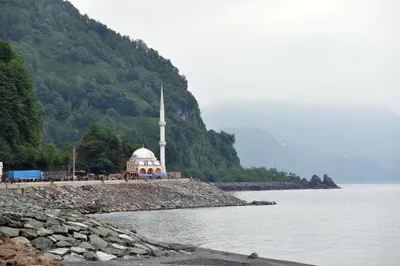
{"x": 73, "y": 164}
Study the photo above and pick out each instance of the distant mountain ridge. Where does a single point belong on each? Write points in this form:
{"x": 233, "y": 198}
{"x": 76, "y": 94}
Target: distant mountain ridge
{"x": 351, "y": 144}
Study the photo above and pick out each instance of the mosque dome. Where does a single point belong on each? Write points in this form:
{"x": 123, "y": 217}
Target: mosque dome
{"x": 143, "y": 153}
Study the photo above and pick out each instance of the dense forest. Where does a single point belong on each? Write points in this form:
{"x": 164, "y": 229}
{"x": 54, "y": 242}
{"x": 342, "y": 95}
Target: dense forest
{"x": 84, "y": 73}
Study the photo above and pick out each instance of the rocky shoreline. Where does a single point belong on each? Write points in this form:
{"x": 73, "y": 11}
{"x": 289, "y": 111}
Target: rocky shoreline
{"x": 93, "y": 199}
{"x": 72, "y": 237}
{"x": 314, "y": 183}
{"x": 49, "y": 222}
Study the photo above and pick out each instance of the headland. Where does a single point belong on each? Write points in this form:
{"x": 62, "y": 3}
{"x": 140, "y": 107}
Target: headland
{"x": 314, "y": 183}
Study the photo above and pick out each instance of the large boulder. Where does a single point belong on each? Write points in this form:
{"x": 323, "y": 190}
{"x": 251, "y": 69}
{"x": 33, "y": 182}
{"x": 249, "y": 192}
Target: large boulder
{"x": 329, "y": 182}
{"x": 315, "y": 181}
{"x": 8, "y": 231}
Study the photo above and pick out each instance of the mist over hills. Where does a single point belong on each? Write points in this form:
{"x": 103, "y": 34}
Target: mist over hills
{"x": 352, "y": 144}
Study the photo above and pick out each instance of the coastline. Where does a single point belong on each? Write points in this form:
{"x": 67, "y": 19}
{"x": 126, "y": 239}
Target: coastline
{"x": 51, "y": 222}
{"x": 126, "y": 196}
{"x": 200, "y": 256}
{"x": 314, "y": 183}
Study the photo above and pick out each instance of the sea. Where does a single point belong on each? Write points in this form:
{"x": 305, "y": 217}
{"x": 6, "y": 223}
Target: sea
{"x": 355, "y": 225}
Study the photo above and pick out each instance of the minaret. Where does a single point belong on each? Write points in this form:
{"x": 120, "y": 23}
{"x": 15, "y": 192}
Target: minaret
{"x": 162, "y": 132}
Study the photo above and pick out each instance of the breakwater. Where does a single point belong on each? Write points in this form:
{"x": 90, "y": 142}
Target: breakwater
{"x": 90, "y": 199}
{"x": 49, "y": 221}
{"x": 69, "y": 236}
{"x": 314, "y": 183}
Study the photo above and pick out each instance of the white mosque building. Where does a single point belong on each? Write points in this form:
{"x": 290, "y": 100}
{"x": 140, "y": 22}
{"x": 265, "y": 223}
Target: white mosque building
{"x": 143, "y": 161}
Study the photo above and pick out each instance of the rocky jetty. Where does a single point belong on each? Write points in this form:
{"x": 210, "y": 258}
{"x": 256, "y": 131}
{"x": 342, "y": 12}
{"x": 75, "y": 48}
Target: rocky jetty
{"x": 48, "y": 224}
{"x": 314, "y": 183}
{"x": 133, "y": 197}
{"x": 61, "y": 235}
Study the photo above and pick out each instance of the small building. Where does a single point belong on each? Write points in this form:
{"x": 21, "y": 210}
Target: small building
{"x": 144, "y": 162}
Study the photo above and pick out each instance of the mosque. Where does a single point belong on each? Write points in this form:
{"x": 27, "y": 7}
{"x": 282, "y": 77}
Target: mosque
{"x": 143, "y": 162}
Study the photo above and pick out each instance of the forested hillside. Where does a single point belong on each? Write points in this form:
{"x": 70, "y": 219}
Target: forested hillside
{"x": 85, "y": 73}
{"x": 18, "y": 109}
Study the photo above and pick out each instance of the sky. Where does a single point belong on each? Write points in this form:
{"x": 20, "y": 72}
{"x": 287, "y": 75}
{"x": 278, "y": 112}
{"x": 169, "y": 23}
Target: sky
{"x": 308, "y": 51}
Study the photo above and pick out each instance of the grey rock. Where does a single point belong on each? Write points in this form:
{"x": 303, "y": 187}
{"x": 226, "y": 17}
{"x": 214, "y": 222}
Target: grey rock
{"x": 138, "y": 251}
{"x": 156, "y": 253}
{"x": 2, "y": 221}
{"x": 63, "y": 244}
{"x": 56, "y": 216}
{"x": 90, "y": 256}
{"x": 13, "y": 220}
{"x": 96, "y": 241}
{"x": 94, "y": 222}
{"x": 58, "y": 229}
{"x": 170, "y": 253}
{"x": 59, "y": 251}
{"x": 315, "y": 181}
{"x": 114, "y": 251}
{"x": 71, "y": 219}
{"x": 52, "y": 239}
{"x": 72, "y": 228}
{"x": 154, "y": 243}
{"x": 53, "y": 256}
{"x": 63, "y": 238}
{"x": 329, "y": 182}
{"x": 87, "y": 246}
{"x": 127, "y": 238}
{"x": 183, "y": 252}
{"x": 104, "y": 256}
{"x": 142, "y": 246}
{"x": 80, "y": 236}
{"x": 151, "y": 247}
{"x": 8, "y": 231}
{"x": 117, "y": 246}
{"x": 81, "y": 225}
{"x": 104, "y": 232}
{"x": 44, "y": 232}
{"x": 114, "y": 239}
{"x": 33, "y": 224}
{"x": 78, "y": 250}
{"x": 253, "y": 256}
{"x": 37, "y": 216}
{"x": 52, "y": 221}
{"x": 42, "y": 243}
{"x": 28, "y": 233}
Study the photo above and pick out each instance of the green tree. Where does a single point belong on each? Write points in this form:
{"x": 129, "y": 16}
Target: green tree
{"x": 20, "y": 136}
{"x": 99, "y": 151}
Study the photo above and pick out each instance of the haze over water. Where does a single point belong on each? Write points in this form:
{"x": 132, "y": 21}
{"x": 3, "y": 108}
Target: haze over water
{"x": 358, "y": 225}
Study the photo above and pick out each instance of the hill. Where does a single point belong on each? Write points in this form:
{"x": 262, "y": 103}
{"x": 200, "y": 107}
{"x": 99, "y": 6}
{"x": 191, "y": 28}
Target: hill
{"x": 84, "y": 72}
{"x": 352, "y": 144}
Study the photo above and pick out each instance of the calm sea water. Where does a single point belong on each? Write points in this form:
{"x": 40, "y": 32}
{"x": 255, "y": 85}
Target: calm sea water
{"x": 358, "y": 225}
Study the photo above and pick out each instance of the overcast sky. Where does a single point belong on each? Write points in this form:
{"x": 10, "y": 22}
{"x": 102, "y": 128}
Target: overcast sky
{"x": 325, "y": 51}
